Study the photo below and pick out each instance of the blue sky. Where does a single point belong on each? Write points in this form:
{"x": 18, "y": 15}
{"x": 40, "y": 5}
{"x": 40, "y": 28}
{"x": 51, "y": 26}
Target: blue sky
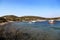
{"x": 44, "y": 8}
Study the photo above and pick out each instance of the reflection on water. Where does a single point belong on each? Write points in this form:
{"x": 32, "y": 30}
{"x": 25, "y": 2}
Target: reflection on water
{"x": 37, "y": 30}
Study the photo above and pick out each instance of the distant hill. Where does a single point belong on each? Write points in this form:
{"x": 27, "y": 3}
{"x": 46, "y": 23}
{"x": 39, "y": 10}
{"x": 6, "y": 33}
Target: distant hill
{"x": 25, "y": 18}
{"x": 28, "y": 18}
{"x": 10, "y": 17}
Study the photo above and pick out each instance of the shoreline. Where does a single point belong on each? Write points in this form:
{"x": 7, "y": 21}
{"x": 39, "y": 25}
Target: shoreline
{"x": 3, "y": 23}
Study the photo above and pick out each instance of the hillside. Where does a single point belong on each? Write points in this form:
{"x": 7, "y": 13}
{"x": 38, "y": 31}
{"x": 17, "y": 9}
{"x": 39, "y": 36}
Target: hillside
{"x": 24, "y": 18}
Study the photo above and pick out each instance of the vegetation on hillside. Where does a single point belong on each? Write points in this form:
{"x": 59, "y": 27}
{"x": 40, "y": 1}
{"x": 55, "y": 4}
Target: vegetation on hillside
{"x": 24, "y": 18}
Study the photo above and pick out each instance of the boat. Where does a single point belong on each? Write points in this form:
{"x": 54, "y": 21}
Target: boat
{"x": 32, "y": 21}
{"x": 51, "y": 21}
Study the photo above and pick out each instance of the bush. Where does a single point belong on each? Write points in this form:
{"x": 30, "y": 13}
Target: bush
{"x": 2, "y": 20}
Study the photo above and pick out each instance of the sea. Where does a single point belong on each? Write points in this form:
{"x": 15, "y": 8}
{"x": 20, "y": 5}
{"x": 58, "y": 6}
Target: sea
{"x": 39, "y": 30}
{"x": 45, "y": 25}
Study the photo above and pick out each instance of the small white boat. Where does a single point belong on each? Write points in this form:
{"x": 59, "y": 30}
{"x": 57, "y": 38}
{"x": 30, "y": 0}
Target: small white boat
{"x": 51, "y": 21}
{"x": 32, "y": 21}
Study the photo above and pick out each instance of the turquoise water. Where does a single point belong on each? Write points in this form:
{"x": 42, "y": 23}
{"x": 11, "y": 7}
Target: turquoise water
{"x": 40, "y": 25}
{"x": 38, "y": 30}
{"x": 45, "y": 26}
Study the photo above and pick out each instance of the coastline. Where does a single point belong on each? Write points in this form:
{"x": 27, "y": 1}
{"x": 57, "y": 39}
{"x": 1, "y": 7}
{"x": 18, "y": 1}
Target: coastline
{"x": 3, "y": 23}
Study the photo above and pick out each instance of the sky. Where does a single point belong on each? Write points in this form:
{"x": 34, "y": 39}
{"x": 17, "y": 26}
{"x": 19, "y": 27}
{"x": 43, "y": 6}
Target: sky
{"x": 42, "y": 8}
